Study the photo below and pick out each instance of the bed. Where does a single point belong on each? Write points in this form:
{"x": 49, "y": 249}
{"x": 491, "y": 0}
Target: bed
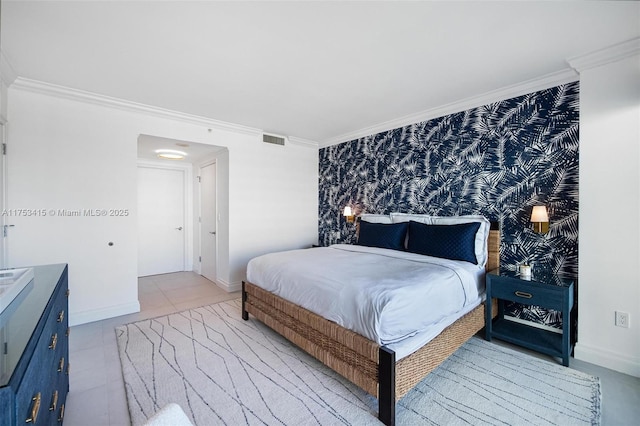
{"x": 386, "y": 365}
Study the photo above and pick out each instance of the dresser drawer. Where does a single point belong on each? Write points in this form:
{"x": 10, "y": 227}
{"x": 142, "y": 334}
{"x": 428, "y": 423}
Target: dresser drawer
{"x": 526, "y": 292}
{"x": 35, "y": 389}
{"x": 58, "y": 374}
{"x": 40, "y": 391}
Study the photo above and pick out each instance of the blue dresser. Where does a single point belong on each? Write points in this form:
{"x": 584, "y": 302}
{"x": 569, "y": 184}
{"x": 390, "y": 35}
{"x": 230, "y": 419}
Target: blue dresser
{"x": 34, "y": 350}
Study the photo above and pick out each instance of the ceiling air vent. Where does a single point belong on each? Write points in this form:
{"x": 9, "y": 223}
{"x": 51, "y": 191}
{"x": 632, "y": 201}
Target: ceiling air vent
{"x": 276, "y": 140}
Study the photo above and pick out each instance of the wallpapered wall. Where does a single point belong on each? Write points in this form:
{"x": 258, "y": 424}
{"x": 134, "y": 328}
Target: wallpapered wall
{"x": 498, "y": 160}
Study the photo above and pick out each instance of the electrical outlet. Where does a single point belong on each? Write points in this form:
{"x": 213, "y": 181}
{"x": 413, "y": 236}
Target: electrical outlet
{"x": 622, "y": 319}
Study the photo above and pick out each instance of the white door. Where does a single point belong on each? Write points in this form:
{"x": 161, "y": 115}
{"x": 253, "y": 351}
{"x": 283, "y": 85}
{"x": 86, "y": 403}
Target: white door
{"x": 161, "y": 233}
{"x": 208, "y": 221}
{"x": 4, "y": 226}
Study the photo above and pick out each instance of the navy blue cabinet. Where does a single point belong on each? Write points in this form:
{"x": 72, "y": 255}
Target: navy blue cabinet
{"x": 547, "y": 291}
{"x": 34, "y": 351}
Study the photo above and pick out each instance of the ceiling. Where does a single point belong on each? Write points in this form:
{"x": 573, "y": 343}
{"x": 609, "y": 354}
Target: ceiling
{"x": 313, "y": 70}
{"x": 195, "y": 152}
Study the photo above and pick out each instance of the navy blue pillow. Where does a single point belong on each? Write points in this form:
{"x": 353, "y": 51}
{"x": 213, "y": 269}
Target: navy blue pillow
{"x": 456, "y": 242}
{"x": 383, "y": 235}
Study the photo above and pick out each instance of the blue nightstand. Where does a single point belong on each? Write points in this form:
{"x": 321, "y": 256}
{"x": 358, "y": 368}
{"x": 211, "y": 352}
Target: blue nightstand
{"x": 547, "y": 291}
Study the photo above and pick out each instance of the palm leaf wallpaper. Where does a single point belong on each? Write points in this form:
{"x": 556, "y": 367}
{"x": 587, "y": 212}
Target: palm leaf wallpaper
{"x": 498, "y": 160}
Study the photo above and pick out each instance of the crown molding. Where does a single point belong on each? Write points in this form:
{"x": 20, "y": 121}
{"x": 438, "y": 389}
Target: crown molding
{"x": 124, "y": 105}
{"x": 7, "y": 73}
{"x": 550, "y": 80}
{"x": 303, "y": 142}
{"x": 605, "y": 56}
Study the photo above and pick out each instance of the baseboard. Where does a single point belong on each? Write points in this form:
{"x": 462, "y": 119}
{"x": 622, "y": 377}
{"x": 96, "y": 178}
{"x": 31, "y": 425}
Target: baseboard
{"x": 229, "y": 287}
{"x": 607, "y": 359}
{"x": 83, "y": 317}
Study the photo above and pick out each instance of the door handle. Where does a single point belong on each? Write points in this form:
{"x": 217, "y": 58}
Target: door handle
{"x": 179, "y": 229}
{"x": 212, "y": 232}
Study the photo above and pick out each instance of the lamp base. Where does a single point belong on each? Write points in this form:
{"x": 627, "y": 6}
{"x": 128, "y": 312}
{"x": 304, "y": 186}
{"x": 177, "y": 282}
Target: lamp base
{"x": 541, "y": 227}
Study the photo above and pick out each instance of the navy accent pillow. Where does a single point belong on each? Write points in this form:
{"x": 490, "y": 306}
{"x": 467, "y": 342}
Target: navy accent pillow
{"x": 456, "y": 242}
{"x": 383, "y": 235}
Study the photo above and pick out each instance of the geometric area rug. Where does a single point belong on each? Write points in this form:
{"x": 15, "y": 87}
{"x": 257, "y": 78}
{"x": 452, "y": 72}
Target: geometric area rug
{"x": 223, "y": 370}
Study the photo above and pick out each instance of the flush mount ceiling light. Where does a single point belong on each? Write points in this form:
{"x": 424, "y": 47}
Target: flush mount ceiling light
{"x": 170, "y": 154}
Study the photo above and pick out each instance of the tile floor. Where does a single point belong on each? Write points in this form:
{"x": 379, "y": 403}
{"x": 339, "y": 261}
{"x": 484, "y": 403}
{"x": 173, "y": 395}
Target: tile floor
{"x": 97, "y": 396}
{"x": 96, "y": 389}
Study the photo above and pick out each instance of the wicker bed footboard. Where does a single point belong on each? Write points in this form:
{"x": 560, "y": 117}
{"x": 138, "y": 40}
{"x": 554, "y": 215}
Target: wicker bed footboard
{"x": 361, "y": 361}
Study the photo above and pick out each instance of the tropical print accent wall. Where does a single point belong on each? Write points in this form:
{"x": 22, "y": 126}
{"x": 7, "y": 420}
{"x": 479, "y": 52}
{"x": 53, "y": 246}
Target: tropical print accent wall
{"x": 498, "y": 160}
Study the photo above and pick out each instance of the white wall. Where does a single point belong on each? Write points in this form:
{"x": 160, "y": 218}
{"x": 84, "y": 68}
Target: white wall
{"x": 3, "y": 100}
{"x": 68, "y": 154}
{"x": 3, "y": 119}
{"x": 279, "y": 202}
{"x": 609, "y": 258}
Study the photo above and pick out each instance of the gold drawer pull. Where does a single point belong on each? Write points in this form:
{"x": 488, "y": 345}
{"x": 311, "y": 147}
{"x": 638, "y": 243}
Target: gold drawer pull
{"x": 54, "y": 341}
{"x": 523, "y": 294}
{"x": 61, "y": 316}
{"x": 67, "y": 293}
{"x": 68, "y": 331}
{"x": 54, "y": 401}
{"x": 61, "y": 413}
{"x": 68, "y": 368}
{"x": 34, "y": 409}
{"x": 61, "y": 365}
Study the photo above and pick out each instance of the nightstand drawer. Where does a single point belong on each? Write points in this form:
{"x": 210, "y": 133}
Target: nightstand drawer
{"x": 529, "y": 293}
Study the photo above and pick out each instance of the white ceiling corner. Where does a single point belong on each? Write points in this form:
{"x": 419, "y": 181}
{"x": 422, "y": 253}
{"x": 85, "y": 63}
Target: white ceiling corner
{"x": 126, "y": 105}
{"x": 603, "y": 56}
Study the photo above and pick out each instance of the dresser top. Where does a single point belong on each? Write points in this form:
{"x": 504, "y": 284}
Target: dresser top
{"x": 19, "y": 320}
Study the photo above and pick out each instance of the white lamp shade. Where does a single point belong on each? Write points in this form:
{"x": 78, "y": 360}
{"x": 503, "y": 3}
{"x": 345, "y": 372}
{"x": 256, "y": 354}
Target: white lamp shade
{"x": 347, "y": 211}
{"x": 539, "y": 214}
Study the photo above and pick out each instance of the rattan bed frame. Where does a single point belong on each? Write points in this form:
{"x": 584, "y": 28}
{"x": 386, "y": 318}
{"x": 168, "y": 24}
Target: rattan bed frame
{"x": 363, "y": 362}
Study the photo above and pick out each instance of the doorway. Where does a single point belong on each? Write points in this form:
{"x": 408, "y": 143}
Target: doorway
{"x": 204, "y": 244}
{"x": 3, "y": 196}
{"x": 161, "y": 220}
{"x": 208, "y": 222}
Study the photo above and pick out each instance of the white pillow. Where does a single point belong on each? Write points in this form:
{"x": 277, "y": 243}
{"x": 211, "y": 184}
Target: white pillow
{"x": 170, "y": 415}
{"x": 376, "y": 218}
{"x": 406, "y": 217}
{"x": 482, "y": 253}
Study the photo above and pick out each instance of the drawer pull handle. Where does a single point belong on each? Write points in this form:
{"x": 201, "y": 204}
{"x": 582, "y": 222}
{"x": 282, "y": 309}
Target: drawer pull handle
{"x": 68, "y": 368}
{"x": 54, "y": 401}
{"x": 34, "y": 409}
{"x": 61, "y": 316}
{"x": 523, "y": 294}
{"x": 68, "y": 331}
{"x": 67, "y": 293}
{"x": 61, "y": 414}
{"x": 54, "y": 342}
{"x": 61, "y": 365}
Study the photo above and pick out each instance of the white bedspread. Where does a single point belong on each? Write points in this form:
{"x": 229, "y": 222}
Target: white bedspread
{"x": 384, "y": 295}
